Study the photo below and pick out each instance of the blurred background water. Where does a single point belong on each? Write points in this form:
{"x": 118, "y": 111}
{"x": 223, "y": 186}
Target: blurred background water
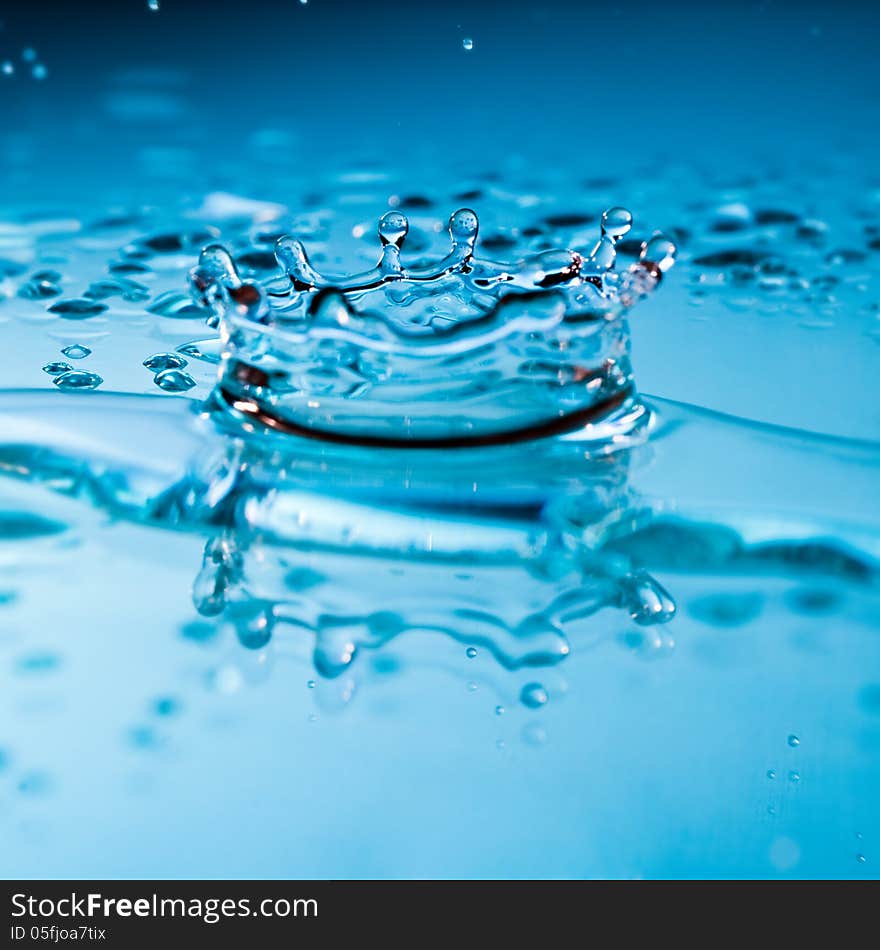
{"x": 138, "y": 738}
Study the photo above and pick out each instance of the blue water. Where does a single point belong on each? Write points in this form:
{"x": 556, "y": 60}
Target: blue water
{"x": 298, "y": 583}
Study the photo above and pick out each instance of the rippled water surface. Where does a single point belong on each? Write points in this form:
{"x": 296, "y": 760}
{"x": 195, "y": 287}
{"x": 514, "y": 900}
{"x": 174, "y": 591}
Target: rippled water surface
{"x": 513, "y": 564}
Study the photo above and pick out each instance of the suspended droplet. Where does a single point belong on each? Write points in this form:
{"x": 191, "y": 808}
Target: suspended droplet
{"x": 56, "y": 368}
{"x": 77, "y": 379}
{"x": 174, "y": 381}
{"x": 533, "y": 695}
{"x": 659, "y": 251}
{"x": 76, "y": 351}
{"x": 616, "y": 222}
{"x": 393, "y": 228}
{"x": 160, "y": 361}
{"x": 464, "y": 226}
{"x": 467, "y": 43}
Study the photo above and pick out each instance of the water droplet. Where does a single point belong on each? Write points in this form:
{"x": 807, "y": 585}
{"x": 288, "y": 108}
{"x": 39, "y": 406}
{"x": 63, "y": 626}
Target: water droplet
{"x": 771, "y": 773}
{"x": 794, "y": 776}
{"x": 29, "y": 54}
{"x": 77, "y": 379}
{"x": 253, "y": 625}
{"x": 533, "y": 695}
{"x": 153, "y": 5}
{"x": 500, "y": 710}
{"x": 861, "y": 858}
{"x": 166, "y": 706}
{"x": 310, "y": 684}
{"x": 39, "y": 71}
{"x": 616, "y": 222}
{"x": 794, "y": 741}
{"x": 174, "y": 381}
{"x": 393, "y": 228}
{"x": 472, "y": 687}
{"x": 160, "y": 361}
{"x": 56, "y": 368}
{"x": 8, "y": 68}
{"x": 467, "y": 43}
{"x": 76, "y": 352}
{"x": 78, "y": 308}
{"x": 470, "y": 653}
{"x": 660, "y": 252}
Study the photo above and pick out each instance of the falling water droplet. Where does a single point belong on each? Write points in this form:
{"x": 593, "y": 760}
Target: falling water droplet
{"x": 470, "y": 652}
{"x": 76, "y": 352}
{"x": 467, "y": 43}
{"x": 794, "y": 741}
{"x": 78, "y": 379}
{"x": 56, "y": 368}
{"x": 533, "y": 695}
{"x": 174, "y": 381}
{"x": 160, "y": 361}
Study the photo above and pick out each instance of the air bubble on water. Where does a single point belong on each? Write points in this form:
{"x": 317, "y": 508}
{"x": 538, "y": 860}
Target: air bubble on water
{"x": 533, "y": 695}
{"x": 56, "y": 368}
{"x": 161, "y": 361}
{"x": 794, "y": 741}
{"x": 78, "y": 379}
{"x": 39, "y": 71}
{"x": 76, "y": 352}
{"x": 174, "y": 381}
{"x": 467, "y": 43}
{"x": 470, "y": 653}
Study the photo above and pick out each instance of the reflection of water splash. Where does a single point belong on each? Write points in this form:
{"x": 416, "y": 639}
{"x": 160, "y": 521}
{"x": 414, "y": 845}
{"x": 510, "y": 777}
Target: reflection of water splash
{"x": 507, "y": 550}
{"x": 457, "y": 350}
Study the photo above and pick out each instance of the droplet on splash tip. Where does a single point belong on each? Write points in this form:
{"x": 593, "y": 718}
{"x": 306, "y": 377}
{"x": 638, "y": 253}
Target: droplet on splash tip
{"x": 616, "y": 222}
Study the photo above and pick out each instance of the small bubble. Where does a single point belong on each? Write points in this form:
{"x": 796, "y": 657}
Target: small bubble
{"x": 861, "y": 858}
{"x": 310, "y": 684}
{"x": 76, "y": 352}
{"x": 794, "y": 741}
{"x": 56, "y": 368}
{"x": 771, "y": 773}
{"x": 533, "y": 695}
{"x": 500, "y": 710}
{"x": 76, "y": 379}
{"x": 470, "y": 653}
{"x": 39, "y": 71}
{"x": 467, "y": 43}
{"x": 794, "y": 776}
{"x": 174, "y": 381}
